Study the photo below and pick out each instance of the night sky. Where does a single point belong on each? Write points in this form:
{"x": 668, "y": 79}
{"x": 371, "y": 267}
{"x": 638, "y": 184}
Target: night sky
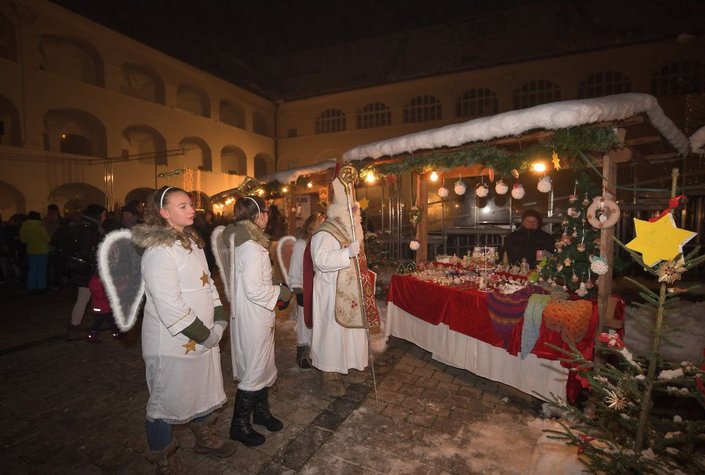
{"x": 210, "y": 34}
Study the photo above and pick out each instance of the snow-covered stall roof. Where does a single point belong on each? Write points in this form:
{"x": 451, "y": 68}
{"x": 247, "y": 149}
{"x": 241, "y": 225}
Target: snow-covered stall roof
{"x": 697, "y": 141}
{"x": 291, "y": 175}
{"x": 553, "y": 116}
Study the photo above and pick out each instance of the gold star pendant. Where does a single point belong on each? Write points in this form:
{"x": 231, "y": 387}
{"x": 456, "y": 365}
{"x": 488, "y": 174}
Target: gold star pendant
{"x": 556, "y": 161}
{"x": 660, "y": 240}
{"x": 204, "y": 278}
{"x": 190, "y": 346}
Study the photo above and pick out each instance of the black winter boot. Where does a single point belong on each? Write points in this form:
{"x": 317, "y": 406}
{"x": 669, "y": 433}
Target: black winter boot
{"x": 240, "y": 428}
{"x": 262, "y": 415}
{"x": 302, "y": 358}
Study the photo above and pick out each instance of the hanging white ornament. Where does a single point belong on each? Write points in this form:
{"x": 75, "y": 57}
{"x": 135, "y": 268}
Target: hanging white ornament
{"x": 481, "y": 191}
{"x": 501, "y": 188}
{"x": 582, "y": 290}
{"x": 518, "y": 191}
{"x": 603, "y": 212}
{"x": 598, "y": 265}
{"x": 414, "y": 245}
{"x": 460, "y": 188}
{"x": 443, "y": 192}
{"x": 545, "y": 185}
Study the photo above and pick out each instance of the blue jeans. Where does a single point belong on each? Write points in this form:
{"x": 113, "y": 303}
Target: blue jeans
{"x": 37, "y": 272}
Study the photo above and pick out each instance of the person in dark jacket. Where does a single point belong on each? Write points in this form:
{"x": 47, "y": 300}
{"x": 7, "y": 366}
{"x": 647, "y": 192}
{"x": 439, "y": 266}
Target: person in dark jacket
{"x": 528, "y": 239}
{"x": 84, "y": 238}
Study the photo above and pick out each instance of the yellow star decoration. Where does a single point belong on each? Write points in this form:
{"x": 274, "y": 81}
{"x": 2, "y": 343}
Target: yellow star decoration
{"x": 364, "y": 203}
{"x": 556, "y": 161}
{"x": 660, "y": 240}
{"x": 190, "y": 346}
{"x": 204, "y": 278}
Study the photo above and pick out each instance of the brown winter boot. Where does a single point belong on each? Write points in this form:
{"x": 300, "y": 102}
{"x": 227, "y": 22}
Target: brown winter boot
{"x": 166, "y": 461}
{"x": 331, "y": 384}
{"x": 356, "y": 376}
{"x": 207, "y": 441}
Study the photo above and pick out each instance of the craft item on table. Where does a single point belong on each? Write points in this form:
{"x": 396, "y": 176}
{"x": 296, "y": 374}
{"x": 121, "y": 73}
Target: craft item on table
{"x": 660, "y": 240}
{"x": 532, "y": 322}
{"x": 569, "y": 317}
{"x": 506, "y": 310}
{"x": 518, "y": 191}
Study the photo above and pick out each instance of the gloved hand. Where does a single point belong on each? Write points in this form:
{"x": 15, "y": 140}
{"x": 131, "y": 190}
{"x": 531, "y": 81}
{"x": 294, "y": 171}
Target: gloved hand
{"x": 216, "y": 334}
{"x": 353, "y": 249}
{"x": 284, "y": 297}
{"x": 299, "y": 295}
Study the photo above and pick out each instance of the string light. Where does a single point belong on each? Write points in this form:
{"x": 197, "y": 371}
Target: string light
{"x": 309, "y": 184}
{"x": 370, "y": 177}
{"x": 434, "y": 176}
{"x": 538, "y": 167}
{"x": 285, "y": 189}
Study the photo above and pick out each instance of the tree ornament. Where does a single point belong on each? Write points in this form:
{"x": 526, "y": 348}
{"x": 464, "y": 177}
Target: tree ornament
{"x": 598, "y": 265}
{"x": 460, "y": 188}
{"x": 481, "y": 190}
{"x": 443, "y": 192}
{"x": 501, "y": 188}
{"x": 515, "y": 173}
{"x": 582, "y": 290}
{"x": 670, "y": 271}
{"x": 586, "y": 201}
{"x": 660, "y": 240}
{"x": 603, "y": 213}
{"x": 616, "y": 400}
{"x": 518, "y": 191}
{"x": 414, "y": 245}
{"x": 544, "y": 185}
{"x": 414, "y": 215}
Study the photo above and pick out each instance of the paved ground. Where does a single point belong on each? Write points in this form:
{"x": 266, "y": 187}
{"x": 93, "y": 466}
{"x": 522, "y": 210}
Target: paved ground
{"x": 75, "y": 407}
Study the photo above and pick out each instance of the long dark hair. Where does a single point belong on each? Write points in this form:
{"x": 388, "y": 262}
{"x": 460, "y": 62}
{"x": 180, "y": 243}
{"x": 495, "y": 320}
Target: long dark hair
{"x": 152, "y": 217}
{"x": 248, "y": 207}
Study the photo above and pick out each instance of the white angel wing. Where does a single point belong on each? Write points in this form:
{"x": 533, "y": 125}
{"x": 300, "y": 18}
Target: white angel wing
{"x": 224, "y": 260}
{"x": 120, "y": 271}
{"x": 285, "y": 247}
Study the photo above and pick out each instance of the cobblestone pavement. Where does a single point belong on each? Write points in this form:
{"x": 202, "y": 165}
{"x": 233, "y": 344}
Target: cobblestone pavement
{"x": 75, "y": 407}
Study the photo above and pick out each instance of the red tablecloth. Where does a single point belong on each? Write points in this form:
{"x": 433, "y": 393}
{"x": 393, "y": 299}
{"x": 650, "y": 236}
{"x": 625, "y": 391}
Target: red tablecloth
{"x": 464, "y": 310}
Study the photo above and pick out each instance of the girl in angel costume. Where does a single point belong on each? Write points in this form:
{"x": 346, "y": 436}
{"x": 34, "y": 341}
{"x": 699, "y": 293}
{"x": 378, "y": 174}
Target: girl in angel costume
{"x": 183, "y": 323}
{"x": 252, "y": 332}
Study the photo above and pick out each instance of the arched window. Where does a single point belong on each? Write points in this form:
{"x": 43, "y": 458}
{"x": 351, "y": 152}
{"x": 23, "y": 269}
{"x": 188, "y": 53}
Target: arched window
{"x": 8, "y": 45}
{"x": 478, "y": 102}
{"x": 261, "y": 165}
{"x": 259, "y": 124}
{"x": 375, "y": 114}
{"x": 233, "y": 160}
{"x": 74, "y": 131}
{"x": 142, "y": 83}
{"x": 423, "y": 109}
{"x": 232, "y": 114}
{"x": 604, "y": 83}
{"x": 330, "y": 120}
{"x": 71, "y": 58}
{"x": 535, "y": 92}
{"x": 197, "y": 154}
{"x": 681, "y": 77}
{"x": 192, "y": 100}
{"x": 145, "y": 144}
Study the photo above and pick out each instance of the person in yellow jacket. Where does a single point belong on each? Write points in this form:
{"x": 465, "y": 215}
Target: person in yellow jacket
{"x": 35, "y": 236}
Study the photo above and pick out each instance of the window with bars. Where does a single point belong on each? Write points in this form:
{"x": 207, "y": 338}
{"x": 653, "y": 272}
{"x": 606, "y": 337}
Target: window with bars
{"x": 375, "y": 114}
{"x": 535, "y": 92}
{"x": 681, "y": 77}
{"x": 422, "y": 109}
{"x": 478, "y": 102}
{"x": 330, "y": 120}
{"x": 604, "y": 83}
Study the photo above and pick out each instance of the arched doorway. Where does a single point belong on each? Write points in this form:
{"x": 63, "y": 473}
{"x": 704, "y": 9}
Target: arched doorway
{"x": 73, "y": 198}
{"x": 11, "y": 201}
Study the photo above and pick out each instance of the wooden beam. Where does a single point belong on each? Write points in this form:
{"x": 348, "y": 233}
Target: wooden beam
{"x": 422, "y": 226}
{"x": 604, "y": 285}
{"x": 643, "y": 140}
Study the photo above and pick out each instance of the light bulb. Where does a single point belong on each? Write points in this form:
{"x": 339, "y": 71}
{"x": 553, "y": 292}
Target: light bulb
{"x": 434, "y": 176}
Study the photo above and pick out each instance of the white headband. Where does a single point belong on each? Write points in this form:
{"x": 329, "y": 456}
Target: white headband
{"x": 259, "y": 211}
{"x": 161, "y": 200}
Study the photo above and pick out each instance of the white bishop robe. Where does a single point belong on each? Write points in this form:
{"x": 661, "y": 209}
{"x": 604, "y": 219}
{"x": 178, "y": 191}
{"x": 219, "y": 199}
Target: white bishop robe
{"x": 334, "y": 348}
{"x": 185, "y": 381}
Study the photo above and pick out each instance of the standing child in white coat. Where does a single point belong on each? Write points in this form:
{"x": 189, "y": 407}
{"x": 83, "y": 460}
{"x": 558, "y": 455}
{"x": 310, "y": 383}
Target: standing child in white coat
{"x": 183, "y": 323}
{"x": 252, "y": 332}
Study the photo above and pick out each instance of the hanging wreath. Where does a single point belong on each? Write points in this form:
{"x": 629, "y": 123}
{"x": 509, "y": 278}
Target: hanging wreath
{"x": 603, "y": 212}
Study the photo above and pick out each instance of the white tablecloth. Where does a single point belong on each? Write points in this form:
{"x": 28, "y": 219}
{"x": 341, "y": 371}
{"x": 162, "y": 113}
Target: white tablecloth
{"x": 532, "y": 375}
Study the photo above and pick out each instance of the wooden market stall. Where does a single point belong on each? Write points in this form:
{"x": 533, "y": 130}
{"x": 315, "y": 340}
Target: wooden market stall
{"x": 633, "y": 128}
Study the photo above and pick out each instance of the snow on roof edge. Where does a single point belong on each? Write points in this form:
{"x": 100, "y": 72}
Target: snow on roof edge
{"x": 287, "y": 176}
{"x": 553, "y": 116}
{"x": 697, "y": 141}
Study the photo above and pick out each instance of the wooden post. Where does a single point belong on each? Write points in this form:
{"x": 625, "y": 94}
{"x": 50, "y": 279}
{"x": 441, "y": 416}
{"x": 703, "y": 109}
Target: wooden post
{"x": 422, "y": 226}
{"x": 604, "y": 286}
{"x": 290, "y": 203}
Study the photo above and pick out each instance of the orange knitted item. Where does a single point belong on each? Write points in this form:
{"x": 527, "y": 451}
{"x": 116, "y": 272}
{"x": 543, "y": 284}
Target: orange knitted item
{"x": 569, "y": 317}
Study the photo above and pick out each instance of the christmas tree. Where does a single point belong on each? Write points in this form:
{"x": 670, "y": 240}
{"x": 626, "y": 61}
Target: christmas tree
{"x": 622, "y": 432}
{"x": 577, "y": 247}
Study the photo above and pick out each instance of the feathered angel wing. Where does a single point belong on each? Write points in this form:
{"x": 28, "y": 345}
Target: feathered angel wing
{"x": 222, "y": 258}
{"x": 285, "y": 246}
{"x": 119, "y": 269}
